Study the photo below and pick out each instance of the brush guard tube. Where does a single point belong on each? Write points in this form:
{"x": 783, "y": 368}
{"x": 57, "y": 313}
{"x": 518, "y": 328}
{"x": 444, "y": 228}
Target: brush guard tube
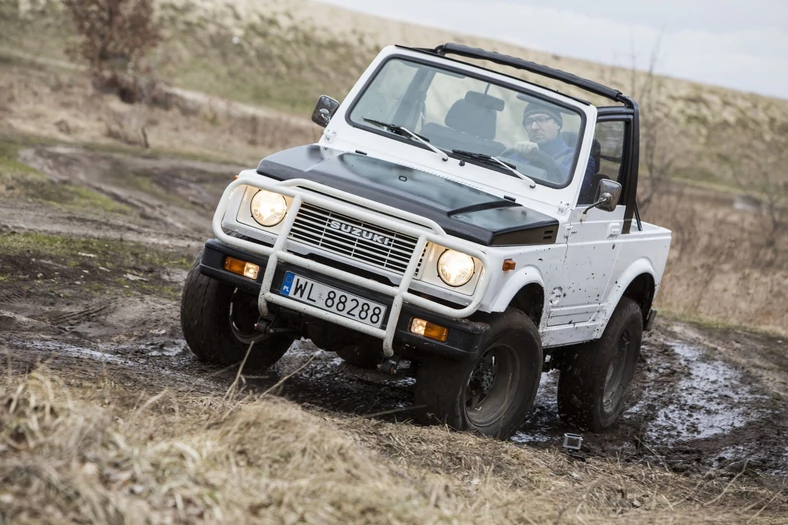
{"x": 301, "y": 190}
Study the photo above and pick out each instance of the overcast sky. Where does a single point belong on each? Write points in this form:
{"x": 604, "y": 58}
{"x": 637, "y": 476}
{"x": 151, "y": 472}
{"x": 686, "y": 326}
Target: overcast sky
{"x": 742, "y": 44}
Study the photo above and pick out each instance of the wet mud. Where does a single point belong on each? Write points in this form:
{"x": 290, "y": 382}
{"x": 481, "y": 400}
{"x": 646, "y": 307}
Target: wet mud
{"x": 689, "y": 411}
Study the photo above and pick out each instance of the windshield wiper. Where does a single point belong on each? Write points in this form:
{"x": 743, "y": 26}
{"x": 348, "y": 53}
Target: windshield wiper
{"x": 494, "y": 160}
{"x": 405, "y": 132}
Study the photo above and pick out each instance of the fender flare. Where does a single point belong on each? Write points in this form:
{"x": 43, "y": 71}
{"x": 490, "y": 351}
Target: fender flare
{"x": 635, "y": 270}
{"x": 527, "y": 275}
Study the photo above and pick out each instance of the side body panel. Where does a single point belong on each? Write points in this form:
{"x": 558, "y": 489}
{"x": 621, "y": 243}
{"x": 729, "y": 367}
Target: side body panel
{"x": 639, "y": 252}
{"x": 590, "y": 258}
{"x": 541, "y": 265}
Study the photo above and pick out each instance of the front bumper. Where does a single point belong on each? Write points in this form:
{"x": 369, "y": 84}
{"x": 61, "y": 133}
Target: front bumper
{"x": 464, "y": 340}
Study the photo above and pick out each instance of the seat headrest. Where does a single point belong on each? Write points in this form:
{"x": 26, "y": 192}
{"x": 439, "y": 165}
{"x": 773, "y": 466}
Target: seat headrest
{"x": 571, "y": 138}
{"x": 484, "y": 100}
{"x": 473, "y": 119}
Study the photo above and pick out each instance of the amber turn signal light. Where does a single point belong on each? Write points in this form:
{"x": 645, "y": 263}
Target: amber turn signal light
{"x": 509, "y": 265}
{"x": 428, "y": 329}
{"x": 244, "y": 268}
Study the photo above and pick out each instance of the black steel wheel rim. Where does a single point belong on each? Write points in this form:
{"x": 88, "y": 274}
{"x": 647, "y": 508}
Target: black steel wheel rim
{"x": 615, "y": 372}
{"x": 492, "y": 386}
{"x": 243, "y": 317}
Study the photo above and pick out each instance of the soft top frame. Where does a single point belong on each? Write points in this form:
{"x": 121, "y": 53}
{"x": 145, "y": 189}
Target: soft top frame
{"x": 526, "y": 65}
{"x": 630, "y": 111}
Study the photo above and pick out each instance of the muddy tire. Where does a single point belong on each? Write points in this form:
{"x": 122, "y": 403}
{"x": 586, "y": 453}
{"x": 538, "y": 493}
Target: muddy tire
{"x": 218, "y": 324}
{"x": 361, "y": 356}
{"x": 595, "y": 377}
{"x": 492, "y": 394}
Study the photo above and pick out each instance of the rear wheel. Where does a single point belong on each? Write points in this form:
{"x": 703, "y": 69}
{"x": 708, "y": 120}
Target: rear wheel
{"x": 218, "y": 323}
{"x": 492, "y": 394}
{"x": 595, "y": 377}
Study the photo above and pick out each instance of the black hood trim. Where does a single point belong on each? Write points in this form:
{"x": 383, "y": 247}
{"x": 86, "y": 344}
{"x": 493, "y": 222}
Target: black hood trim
{"x": 462, "y": 211}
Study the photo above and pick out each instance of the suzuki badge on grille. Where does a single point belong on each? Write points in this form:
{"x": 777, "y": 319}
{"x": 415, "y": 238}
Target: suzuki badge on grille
{"x": 360, "y": 232}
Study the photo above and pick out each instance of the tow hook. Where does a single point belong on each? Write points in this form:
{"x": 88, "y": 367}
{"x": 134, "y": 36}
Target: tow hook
{"x": 389, "y": 365}
{"x": 263, "y": 325}
{"x": 267, "y": 325}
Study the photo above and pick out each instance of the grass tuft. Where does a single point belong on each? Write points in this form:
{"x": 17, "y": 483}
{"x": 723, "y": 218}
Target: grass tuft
{"x": 100, "y": 451}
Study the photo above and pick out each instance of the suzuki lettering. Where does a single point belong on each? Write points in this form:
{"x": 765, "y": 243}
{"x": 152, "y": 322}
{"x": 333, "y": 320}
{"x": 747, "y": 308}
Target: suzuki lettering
{"x": 361, "y": 233}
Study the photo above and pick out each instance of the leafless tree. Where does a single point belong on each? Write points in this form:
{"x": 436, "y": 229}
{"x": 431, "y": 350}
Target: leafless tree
{"x": 655, "y": 154}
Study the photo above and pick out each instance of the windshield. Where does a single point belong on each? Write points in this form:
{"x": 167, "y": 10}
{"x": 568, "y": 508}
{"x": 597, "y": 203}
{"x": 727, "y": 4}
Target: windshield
{"x": 455, "y": 111}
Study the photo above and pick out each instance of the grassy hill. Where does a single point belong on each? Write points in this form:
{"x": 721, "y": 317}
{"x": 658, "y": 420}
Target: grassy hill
{"x": 284, "y": 54}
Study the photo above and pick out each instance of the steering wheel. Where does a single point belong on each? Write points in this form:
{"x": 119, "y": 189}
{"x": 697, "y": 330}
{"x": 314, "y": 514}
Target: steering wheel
{"x": 540, "y": 159}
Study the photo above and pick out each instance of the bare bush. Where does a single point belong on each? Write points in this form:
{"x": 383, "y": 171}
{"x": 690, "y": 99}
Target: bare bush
{"x": 115, "y": 35}
{"x": 655, "y": 154}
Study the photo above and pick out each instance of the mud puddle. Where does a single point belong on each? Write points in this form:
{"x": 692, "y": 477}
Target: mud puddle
{"x": 711, "y": 398}
{"x": 688, "y": 412}
{"x": 708, "y": 398}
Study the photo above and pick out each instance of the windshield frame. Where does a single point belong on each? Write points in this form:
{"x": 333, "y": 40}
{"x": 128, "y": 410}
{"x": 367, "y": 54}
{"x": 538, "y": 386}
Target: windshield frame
{"x": 483, "y": 76}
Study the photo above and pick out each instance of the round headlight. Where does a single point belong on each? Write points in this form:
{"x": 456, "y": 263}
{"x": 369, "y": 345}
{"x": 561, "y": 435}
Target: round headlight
{"x": 268, "y": 208}
{"x": 455, "y": 268}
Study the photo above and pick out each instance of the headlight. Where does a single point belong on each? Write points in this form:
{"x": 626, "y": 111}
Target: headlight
{"x": 268, "y": 208}
{"x": 455, "y": 268}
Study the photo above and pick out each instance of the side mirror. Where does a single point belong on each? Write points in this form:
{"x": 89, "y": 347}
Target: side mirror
{"x": 324, "y": 110}
{"x": 609, "y": 193}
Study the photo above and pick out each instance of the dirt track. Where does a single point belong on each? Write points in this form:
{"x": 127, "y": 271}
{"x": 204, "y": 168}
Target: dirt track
{"x": 708, "y": 403}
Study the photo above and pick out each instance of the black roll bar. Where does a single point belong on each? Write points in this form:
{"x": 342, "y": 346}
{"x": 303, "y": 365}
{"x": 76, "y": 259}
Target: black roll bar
{"x": 526, "y": 65}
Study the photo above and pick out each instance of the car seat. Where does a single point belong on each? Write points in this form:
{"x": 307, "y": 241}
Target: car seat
{"x": 475, "y": 114}
{"x": 590, "y": 180}
{"x": 471, "y": 124}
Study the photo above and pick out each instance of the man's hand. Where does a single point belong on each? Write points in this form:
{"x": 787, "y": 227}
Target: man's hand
{"x": 525, "y": 147}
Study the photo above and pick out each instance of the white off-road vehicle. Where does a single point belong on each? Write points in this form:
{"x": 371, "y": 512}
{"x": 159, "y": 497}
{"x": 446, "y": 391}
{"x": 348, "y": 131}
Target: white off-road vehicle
{"x": 479, "y": 226}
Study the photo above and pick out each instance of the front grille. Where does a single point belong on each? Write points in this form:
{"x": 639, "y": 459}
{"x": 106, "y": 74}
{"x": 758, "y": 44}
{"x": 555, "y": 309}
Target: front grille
{"x": 353, "y": 238}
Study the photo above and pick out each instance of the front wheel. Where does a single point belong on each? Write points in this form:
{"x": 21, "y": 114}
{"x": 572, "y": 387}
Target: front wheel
{"x": 218, "y": 322}
{"x": 595, "y": 377}
{"x": 492, "y": 394}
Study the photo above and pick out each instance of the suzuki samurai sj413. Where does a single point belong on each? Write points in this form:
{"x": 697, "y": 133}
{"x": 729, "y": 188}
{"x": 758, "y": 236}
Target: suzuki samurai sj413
{"x": 479, "y": 226}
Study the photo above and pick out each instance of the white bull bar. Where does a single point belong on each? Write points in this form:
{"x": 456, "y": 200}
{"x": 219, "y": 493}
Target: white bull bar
{"x": 424, "y": 230}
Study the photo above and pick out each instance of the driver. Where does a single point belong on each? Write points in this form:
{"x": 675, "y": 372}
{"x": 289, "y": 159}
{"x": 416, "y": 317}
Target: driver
{"x": 543, "y": 125}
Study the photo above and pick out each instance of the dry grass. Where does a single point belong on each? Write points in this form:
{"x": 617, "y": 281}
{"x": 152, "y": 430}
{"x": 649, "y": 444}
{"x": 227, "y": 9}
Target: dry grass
{"x": 721, "y": 264}
{"x": 103, "y": 450}
{"x": 61, "y": 105}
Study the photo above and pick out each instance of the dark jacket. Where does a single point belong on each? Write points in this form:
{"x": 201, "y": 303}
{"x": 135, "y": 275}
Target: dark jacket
{"x": 563, "y": 154}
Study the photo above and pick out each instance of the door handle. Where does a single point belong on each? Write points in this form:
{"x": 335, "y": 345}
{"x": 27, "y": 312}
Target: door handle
{"x": 613, "y": 230}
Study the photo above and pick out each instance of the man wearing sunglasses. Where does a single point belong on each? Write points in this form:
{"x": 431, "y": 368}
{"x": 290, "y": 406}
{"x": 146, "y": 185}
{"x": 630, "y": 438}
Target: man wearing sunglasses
{"x": 543, "y": 124}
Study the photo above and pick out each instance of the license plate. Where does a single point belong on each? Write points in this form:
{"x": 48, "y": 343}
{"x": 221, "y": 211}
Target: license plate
{"x": 332, "y": 299}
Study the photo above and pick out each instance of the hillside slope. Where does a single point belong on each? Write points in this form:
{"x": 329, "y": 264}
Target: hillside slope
{"x": 285, "y": 53}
